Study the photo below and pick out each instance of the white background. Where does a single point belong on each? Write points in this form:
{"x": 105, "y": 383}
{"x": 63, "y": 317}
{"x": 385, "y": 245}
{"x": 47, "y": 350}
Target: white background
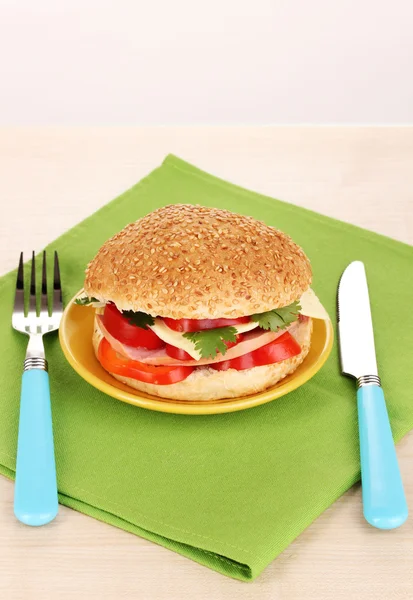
{"x": 123, "y": 62}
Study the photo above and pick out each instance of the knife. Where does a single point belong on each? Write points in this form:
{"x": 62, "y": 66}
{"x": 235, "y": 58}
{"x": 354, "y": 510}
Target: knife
{"x": 384, "y": 502}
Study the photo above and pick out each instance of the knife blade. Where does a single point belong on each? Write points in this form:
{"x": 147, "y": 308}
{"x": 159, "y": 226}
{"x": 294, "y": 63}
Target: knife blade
{"x": 384, "y": 502}
{"x": 357, "y": 351}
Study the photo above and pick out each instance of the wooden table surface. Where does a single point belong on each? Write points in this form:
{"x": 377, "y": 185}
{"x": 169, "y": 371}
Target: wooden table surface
{"x": 50, "y": 179}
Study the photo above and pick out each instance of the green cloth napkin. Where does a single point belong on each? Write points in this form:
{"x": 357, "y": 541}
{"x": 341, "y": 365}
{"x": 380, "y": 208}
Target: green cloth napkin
{"x": 229, "y": 491}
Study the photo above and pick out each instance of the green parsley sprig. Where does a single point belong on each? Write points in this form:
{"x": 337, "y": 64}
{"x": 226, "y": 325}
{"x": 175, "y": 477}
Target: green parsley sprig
{"x": 85, "y": 301}
{"x": 279, "y": 318}
{"x": 140, "y": 319}
{"x": 211, "y": 341}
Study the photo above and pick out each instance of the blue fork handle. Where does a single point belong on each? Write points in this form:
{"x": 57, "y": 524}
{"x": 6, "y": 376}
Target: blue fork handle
{"x": 35, "y": 495}
{"x": 384, "y": 502}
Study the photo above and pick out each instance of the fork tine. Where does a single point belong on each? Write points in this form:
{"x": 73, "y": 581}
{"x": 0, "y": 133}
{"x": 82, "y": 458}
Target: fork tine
{"x": 19, "y": 297}
{"x": 57, "y": 286}
{"x": 32, "y": 300}
{"x": 43, "y": 302}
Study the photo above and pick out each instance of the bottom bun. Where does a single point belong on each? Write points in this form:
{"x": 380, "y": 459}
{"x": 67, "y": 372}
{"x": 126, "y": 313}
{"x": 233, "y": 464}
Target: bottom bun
{"x": 205, "y": 383}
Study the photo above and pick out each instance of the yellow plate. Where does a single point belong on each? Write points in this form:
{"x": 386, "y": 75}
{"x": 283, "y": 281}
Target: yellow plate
{"x": 75, "y": 335}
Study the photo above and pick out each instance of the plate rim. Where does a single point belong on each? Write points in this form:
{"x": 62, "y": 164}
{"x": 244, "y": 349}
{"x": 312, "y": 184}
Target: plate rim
{"x": 192, "y": 408}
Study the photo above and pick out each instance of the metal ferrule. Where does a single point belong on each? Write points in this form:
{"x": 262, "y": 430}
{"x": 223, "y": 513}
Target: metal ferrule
{"x": 35, "y": 362}
{"x": 368, "y": 380}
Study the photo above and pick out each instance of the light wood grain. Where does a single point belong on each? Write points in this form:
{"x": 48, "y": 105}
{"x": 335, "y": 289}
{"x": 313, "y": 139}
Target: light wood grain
{"x": 50, "y": 179}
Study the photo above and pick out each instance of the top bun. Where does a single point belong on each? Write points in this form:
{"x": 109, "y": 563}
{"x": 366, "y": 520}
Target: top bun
{"x": 186, "y": 261}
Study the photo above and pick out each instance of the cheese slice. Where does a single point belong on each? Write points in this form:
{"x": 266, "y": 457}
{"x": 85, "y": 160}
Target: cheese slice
{"x": 176, "y": 338}
{"x": 244, "y": 327}
{"x": 312, "y": 307}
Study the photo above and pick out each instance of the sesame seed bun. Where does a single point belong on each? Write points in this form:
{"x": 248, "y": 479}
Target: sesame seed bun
{"x": 186, "y": 261}
{"x": 205, "y": 383}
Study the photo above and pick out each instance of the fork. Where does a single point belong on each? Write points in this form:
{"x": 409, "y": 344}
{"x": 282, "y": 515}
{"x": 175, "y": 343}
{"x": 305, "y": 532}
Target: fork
{"x": 35, "y": 495}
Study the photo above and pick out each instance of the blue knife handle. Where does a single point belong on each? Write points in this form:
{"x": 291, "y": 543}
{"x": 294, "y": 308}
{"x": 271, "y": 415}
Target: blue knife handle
{"x": 35, "y": 495}
{"x": 384, "y": 502}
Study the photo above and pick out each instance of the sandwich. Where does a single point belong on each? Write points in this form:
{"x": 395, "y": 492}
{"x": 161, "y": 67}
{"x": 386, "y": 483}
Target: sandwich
{"x": 195, "y": 303}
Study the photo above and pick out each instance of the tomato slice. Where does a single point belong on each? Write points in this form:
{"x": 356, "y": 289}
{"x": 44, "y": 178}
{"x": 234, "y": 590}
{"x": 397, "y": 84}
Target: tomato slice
{"x": 280, "y": 349}
{"x": 126, "y": 333}
{"x": 115, "y": 363}
{"x": 180, "y": 354}
{"x": 201, "y": 324}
